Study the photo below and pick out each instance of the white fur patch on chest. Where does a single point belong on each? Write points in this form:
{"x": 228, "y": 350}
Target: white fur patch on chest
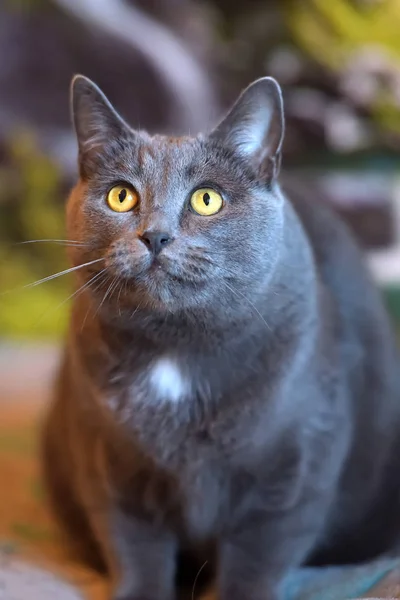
{"x": 167, "y": 381}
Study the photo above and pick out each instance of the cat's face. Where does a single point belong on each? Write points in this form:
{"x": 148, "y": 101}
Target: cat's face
{"x": 181, "y": 223}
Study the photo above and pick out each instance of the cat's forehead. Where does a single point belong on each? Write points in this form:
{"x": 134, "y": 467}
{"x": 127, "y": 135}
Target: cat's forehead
{"x": 166, "y": 163}
{"x": 152, "y": 157}
{"x": 170, "y": 153}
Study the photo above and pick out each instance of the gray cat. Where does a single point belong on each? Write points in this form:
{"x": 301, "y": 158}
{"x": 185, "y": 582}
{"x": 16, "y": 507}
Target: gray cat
{"x": 230, "y": 385}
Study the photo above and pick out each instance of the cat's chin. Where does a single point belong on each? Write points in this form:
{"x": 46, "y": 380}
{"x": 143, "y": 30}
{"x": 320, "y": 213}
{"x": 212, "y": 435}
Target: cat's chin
{"x": 161, "y": 296}
{"x": 163, "y": 293}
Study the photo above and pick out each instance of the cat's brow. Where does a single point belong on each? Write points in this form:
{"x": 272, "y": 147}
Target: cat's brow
{"x": 142, "y": 151}
{"x": 178, "y": 141}
{"x": 146, "y": 151}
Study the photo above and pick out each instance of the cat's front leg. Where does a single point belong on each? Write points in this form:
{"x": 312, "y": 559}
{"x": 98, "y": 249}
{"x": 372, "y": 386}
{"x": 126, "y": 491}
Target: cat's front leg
{"x": 255, "y": 557}
{"x": 141, "y": 557}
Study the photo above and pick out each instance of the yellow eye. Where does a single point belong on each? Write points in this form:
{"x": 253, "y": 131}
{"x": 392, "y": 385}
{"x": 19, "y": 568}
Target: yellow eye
{"x": 206, "y": 202}
{"x": 122, "y": 198}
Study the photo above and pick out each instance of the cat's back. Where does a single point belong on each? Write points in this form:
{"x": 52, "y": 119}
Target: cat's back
{"x": 341, "y": 268}
{"x": 337, "y": 255}
{"x": 364, "y": 334}
{"x": 370, "y": 363}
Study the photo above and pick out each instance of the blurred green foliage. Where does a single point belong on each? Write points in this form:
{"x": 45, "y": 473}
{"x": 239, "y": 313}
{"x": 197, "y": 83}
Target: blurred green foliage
{"x": 30, "y": 209}
{"x": 337, "y": 32}
{"x": 332, "y": 31}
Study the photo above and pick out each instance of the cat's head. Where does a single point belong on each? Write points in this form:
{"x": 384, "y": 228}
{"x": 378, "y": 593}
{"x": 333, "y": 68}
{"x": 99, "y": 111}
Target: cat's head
{"x": 187, "y": 223}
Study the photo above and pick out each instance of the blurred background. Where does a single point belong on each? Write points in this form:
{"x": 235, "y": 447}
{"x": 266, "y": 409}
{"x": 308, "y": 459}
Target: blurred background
{"x": 174, "y": 65}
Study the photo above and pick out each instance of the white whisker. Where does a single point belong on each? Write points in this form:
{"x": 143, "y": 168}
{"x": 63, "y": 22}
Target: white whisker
{"x": 196, "y": 578}
{"x": 239, "y": 294}
{"x": 117, "y": 283}
{"x": 55, "y": 276}
{"x": 81, "y": 288}
{"x": 53, "y": 241}
{"x": 113, "y": 287}
{"x": 96, "y": 287}
{"x": 136, "y": 310}
{"x": 76, "y": 293}
{"x": 105, "y": 296}
{"x": 119, "y": 298}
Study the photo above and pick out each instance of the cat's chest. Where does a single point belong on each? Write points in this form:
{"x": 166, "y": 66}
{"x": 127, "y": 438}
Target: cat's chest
{"x": 160, "y": 411}
{"x": 158, "y": 403}
{"x": 164, "y": 384}
{"x": 155, "y": 384}
{"x": 166, "y": 407}
{"x": 164, "y": 381}
{"x": 176, "y": 406}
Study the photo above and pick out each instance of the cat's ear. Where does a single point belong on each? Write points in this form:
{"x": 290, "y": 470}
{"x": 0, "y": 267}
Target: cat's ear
{"x": 95, "y": 120}
{"x": 254, "y": 127}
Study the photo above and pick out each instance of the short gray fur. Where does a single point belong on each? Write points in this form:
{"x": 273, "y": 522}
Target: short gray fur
{"x": 284, "y": 446}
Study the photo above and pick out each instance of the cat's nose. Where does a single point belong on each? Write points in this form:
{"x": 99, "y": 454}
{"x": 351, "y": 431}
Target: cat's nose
{"x": 155, "y": 240}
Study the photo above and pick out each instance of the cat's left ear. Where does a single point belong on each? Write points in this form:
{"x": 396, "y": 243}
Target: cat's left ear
{"x": 254, "y": 127}
{"x": 95, "y": 120}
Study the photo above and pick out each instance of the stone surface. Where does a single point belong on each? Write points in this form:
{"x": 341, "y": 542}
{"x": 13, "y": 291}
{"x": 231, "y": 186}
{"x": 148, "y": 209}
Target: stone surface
{"x": 20, "y": 581}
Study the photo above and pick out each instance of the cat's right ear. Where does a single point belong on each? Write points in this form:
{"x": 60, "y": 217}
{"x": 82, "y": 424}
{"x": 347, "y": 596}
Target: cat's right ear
{"x": 254, "y": 127}
{"x": 95, "y": 120}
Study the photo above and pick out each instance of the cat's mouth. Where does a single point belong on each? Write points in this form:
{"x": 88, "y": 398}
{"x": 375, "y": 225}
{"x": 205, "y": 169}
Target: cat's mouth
{"x": 167, "y": 285}
{"x": 156, "y": 266}
{"x": 159, "y": 274}
{"x": 163, "y": 282}
{"x": 164, "y": 272}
